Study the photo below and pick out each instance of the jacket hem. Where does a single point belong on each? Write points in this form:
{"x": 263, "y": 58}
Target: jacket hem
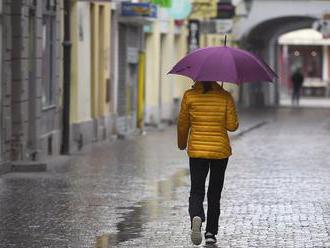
{"x": 208, "y": 155}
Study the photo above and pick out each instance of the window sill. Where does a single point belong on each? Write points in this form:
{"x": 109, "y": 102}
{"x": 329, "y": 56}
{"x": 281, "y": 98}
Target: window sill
{"x": 48, "y": 107}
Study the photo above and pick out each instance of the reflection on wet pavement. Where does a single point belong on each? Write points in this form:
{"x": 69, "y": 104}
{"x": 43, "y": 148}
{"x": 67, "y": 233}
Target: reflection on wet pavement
{"x": 134, "y": 193}
{"x": 131, "y": 225}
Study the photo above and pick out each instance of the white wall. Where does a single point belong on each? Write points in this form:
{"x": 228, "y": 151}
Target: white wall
{"x": 266, "y": 10}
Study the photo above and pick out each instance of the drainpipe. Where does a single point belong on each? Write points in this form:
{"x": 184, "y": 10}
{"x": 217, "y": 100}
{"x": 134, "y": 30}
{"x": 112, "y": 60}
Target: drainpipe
{"x": 66, "y": 79}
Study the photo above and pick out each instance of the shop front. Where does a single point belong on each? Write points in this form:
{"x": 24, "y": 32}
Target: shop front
{"x": 306, "y": 50}
{"x": 131, "y": 49}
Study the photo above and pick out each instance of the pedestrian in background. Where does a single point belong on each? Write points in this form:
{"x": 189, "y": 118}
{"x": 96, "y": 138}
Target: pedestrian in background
{"x": 297, "y": 80}
{"x": 207, "y": 113}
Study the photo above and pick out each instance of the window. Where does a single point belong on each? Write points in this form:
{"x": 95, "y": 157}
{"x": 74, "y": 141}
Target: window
{"x": 48, "y": 52}
{"x": 309, "y": 58}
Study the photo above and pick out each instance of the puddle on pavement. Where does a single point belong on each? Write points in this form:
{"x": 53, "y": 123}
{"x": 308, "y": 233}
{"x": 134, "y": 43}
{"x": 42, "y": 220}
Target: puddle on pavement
{"x": 131, "y": 225}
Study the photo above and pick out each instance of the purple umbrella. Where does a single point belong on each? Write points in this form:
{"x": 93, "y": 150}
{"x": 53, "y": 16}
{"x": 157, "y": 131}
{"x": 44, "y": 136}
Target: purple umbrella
{"x": 222, "y": 63}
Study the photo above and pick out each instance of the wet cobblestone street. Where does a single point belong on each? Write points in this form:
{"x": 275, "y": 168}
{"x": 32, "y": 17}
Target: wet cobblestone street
{"x": 134, "y": 192}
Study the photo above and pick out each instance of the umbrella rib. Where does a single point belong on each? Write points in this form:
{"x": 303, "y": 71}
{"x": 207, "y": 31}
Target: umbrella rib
{"x": 270, "y": 73}
{"x": 237, "y": 73}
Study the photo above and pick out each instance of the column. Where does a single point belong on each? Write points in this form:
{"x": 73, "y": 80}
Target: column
{"x": 152, "y": 74}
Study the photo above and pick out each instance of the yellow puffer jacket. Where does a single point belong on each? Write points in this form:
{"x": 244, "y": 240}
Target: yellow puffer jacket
{"x": 207, "y": 116}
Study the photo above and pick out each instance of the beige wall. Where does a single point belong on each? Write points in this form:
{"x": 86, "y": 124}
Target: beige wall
{"x": 74, "y": 64}
{"x": 163, "y": 49}
{"x": 181, "y": 83}
{"x": 84, "y": 62}
{"x": 90, "y": 64}
{"x": 100, "y": 30}
{"x": 167, "y": 60}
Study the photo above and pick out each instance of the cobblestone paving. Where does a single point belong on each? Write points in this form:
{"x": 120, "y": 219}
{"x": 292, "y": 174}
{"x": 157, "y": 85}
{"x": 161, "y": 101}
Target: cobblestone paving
{"x": 134, "y": 193}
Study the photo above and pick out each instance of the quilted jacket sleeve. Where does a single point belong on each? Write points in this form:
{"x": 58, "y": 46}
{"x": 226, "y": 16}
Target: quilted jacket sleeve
{"x": 231, "y": 115}
{"x": 183, "y": 124}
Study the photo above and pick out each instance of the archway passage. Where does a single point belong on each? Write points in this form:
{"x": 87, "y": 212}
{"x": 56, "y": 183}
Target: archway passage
{"x": 262, "y": 39}
{"x": 307, "y": 50}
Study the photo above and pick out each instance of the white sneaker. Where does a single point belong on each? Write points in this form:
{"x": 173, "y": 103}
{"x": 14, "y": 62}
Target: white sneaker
{"x": 196, "y": 234}
{"x": 210, "y": 238}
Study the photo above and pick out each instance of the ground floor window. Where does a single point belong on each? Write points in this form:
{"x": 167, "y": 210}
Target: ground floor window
{"x": 48, "y": 52}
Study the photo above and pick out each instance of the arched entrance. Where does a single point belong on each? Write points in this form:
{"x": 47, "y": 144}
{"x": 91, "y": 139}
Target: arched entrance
{"x": 262, "y": 39}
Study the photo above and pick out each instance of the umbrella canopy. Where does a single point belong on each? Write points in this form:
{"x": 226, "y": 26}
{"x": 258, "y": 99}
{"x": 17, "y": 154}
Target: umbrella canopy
{"x": 222, "y": 63}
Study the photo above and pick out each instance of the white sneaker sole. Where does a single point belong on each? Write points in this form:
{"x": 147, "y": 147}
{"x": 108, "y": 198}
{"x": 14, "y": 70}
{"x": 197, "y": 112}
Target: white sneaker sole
{"x": 210, "y": 241}
{"x": 196, "y": 234}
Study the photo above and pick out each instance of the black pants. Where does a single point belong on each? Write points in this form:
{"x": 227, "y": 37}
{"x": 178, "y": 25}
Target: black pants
{"x": 295, "y": 96}
{"x": 199, "y": 169}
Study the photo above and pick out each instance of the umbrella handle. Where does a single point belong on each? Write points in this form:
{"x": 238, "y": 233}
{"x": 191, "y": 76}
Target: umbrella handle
{"x": 225, "y": 40}
{"x": 221, "y": 84}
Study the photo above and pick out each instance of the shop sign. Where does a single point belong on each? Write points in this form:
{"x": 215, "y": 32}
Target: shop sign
{"x": 138, "y": 9}
{"x": 193, "y": 37}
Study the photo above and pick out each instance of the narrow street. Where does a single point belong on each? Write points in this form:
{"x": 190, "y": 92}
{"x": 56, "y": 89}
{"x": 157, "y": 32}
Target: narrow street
{"x": 134, "y": 192}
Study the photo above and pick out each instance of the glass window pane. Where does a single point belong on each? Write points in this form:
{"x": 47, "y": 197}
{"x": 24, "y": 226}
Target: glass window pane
{"x": 48, "y": 57}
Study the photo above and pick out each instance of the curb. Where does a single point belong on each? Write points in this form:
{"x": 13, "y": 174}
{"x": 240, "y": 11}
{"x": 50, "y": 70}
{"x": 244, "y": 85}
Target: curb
{"x": 25, "y": 166}
{"x": 249, "y": 129}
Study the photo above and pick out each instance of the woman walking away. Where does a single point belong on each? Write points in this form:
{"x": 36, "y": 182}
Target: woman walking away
{"x": 207, "y": 113}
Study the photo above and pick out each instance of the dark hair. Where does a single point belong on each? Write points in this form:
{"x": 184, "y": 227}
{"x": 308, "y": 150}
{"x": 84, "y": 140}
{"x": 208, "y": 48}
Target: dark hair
{"x": 207, "y": 86}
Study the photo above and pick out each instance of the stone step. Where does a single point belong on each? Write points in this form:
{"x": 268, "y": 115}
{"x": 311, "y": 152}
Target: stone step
{"x": 28, "y": 166}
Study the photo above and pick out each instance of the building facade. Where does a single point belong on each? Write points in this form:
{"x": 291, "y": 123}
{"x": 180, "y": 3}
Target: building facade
{"x": 166, "y": 43}
{"x": 147, "y": 48}
{"x": 2, "y": 155}
{"x": 130, "y": 50}
{"x": 258, "y": 26}
{"x": 31, "y": 79}
{"x": 114, "y": 76}
{"x": 90, "y": 36}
